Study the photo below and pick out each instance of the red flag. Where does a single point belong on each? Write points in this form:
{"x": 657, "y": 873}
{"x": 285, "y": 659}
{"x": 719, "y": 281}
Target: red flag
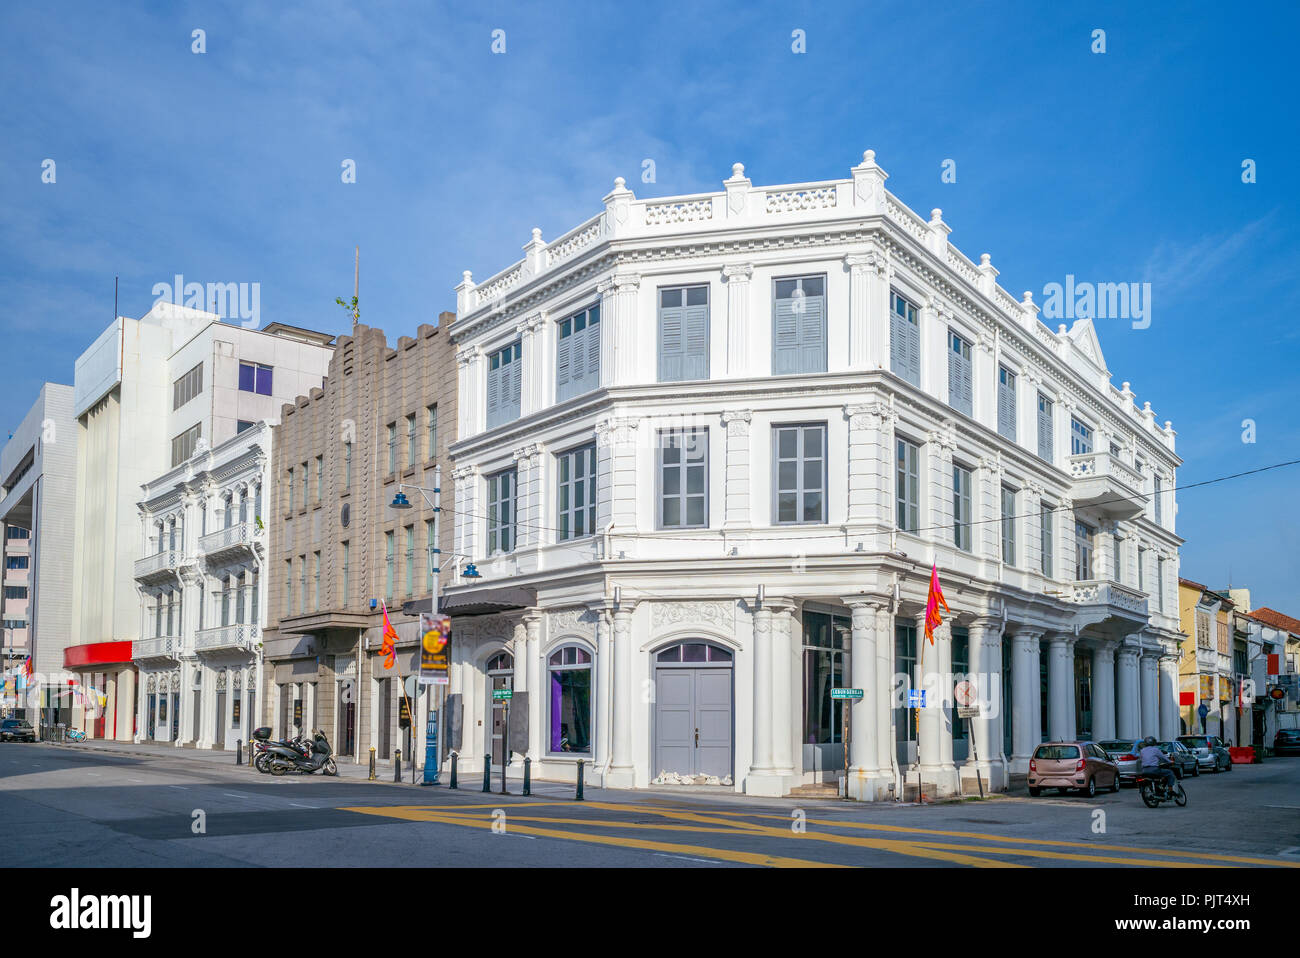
{"x": 932, "y": 617}
{"x": 389, "y": 649}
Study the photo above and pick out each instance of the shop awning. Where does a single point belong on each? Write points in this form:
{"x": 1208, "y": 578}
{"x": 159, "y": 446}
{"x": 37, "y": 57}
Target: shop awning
{"x": 478, "y": 602}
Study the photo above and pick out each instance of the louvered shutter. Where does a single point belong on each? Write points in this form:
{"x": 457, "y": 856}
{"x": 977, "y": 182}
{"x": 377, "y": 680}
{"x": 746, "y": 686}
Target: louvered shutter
{"x": 1045, "y": 438}
{"x": 959, "y": 380}
{"x": 695, "y": 353}
{"x": 512, "y": 400}
{"x": 578, "y": 356}
{"x": 1006, "y": 409}
{"x": 897, "y": 333}
{"x": 563, "y": 368}
{"x": 672, "y": 343}
{"x": 913, "y": 352}
{"x": 593, "y": 356}
{"x": 493, "y": 396}
{"x": 812, "y": 335}
{"x": 785, "y": 339}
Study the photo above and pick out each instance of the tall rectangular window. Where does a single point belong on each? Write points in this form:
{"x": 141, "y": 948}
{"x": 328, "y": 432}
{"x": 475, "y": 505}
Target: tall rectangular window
{"x": 392, "y": 447}
{"x": 187, "y": 387}
{"x": 799, "y": 325}
{"x": 907, "y": 485}
{"x": 1047, "y": 521}
{"x": 254, "y": 615}
{"x": 1007, "y": 403}
{"x": 184, "y": 444}
{"x": 291, "y": 489}
{"x": 683, "y": 456}
{"x": 576, "y": 482}
{"x": 683, "y": 334}
{"x": 315, "y": 581}
{"x": 255, "y": 378}
{"x": 1046, "y": 439}
{"x": 1159, "y": 589}
{"x": 1157, "y": 493}
{"x": 1118, "y": 570}
{"x": 347, "y": 558}
{"x": 306, "y": 484}
{"x": 412, "y": 442}
{"x": 1142, "y": 572}
{"x": 904, "y": 339}
{"x": 302, "y": 583}
{"x": 504, "y": 385}
{"x": 799, "y": 467}
{"x": 1083, "y": 534}
{"x": 288, "y": 587}
{"x": 961, "y": 379}
{"x": 577, "y": 354}
{"x": 961, "y": 508}
{"x": 320, "y": 478}
{"x": 501, "y": 512}
{"x": 431, "y": 414}
{"x": 347, "y": 465}
{"x": 1008, "y": 526}
{"x": 1080, "y": 438}
{"x": 389, "y": 547}
{"x": 410, "y": 561}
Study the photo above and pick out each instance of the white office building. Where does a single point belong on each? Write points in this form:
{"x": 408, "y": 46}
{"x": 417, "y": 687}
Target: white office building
{"x": 171, "y": 416}
{"x": 709, "y": 448}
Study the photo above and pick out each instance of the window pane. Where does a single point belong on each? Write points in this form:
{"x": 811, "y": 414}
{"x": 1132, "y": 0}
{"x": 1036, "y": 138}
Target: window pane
{"x": 672, "y": 511}
{"x": 787, "y": 443}
{"x": 787, "y": 475}
{"x": 812, "y": 508}
{"x": 786, "y": 507}
{"x": 695, "y": 511}
{"x": 670, "y": 297}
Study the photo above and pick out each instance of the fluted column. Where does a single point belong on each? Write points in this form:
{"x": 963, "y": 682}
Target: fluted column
{"x": 1060, "y": 687}
{"x": 762, "y": 706}
{"x": 943, "y": 695}
{"x": 1103, "y": 692}
{"x": 737, "y": 276}
{"x": 736, "y": 482}
{"x": 604, "y": 682}
{"x": 986, "y": 662}
{"x": 783, "y": 715}
{"x": 621, "y": 770}
{"x": 1126, "y": 693}
{"x": 886, "y": 748}
{"x": 1026, "y": 700}
{"x": 864, "y": 755}
{"x": 1169, "y": 696}
{"x": 1150, "y": 695}
{"x": 866, "y": 282}
{"x": 930, "y": 718}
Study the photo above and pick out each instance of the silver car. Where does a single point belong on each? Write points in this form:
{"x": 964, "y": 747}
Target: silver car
{"x": 1121, "y": 753}
{"x": 1211, "y": 754}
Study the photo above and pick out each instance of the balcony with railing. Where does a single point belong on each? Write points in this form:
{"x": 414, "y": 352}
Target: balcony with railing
{"x": 1108, "y": 484}
{"x": 238, "y": 637}
{"x": 238, "y": 536}
{"x": 165, "y": 647}
{"x": 157, "y": 567}
{"x": 1102, "y": 599}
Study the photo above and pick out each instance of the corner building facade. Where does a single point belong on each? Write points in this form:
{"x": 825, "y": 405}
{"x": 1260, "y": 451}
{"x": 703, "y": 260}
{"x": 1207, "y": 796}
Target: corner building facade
{"x": 709, "y": 447}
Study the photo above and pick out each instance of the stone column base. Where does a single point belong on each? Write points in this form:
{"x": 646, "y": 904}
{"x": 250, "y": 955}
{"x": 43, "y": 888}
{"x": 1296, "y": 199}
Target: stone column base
{"x": 994, "y": 775}
{"x": 624, "y": 777}
{"x": 874, "y": 786}
{"x": 1018, "y": 765}
{"x": 940, "y": 782}
{"x": 769, "y": 784}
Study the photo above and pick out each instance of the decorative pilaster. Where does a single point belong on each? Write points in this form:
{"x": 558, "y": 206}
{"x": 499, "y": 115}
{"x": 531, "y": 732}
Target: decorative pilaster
{"x": 737, "y": 278}
{"x": 528, "y": 499}
{"x": 1126, "y": 705}
{"x": 1103, "y": 691}
{"x": 1150, "y": 694}
{"x": 985, "y": 643}
{"x": 867, "y": 276}
{"x": 864, "y": 506}
{"x": 621, "y": 772}
{"x": 736, "y": 486}
{"x": 618, "y": 329}
{"x": 616, "y": 485}
{"x": 1060, "y": 687}
{"x": 533, "y": 355}
{"x": 762, "y": 707}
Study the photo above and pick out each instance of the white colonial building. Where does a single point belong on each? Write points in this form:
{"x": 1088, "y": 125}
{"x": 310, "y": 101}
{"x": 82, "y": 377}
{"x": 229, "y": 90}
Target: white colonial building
{"x": 709, "y": 448}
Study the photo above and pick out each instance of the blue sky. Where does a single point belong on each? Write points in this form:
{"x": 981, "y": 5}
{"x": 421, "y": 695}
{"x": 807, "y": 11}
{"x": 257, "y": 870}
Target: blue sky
{"x": 1116, "y": 167}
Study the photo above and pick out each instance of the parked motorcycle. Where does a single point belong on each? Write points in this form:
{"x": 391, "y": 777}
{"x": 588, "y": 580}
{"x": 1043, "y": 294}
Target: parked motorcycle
{"x": 1157, "y": 790}
{"x": 262, "y": 746}
{"x": 286, "y": 759}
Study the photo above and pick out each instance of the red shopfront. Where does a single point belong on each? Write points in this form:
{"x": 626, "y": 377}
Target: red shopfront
{"x": 108, "y": 680}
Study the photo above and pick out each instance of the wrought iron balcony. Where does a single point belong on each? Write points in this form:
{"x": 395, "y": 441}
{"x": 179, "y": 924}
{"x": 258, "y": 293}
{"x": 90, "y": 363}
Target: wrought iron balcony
{"x": 162, "y": 647}
{"x": 1101, "y": 599}
{"x": 157, "y": 567}
{"x": 227, "y": 638}
{"x": 240, "y": 535}
{"x": 1108, "y": 484}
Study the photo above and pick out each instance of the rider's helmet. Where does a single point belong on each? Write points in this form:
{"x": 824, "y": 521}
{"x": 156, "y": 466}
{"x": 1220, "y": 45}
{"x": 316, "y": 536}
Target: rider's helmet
{"x": 1149, "y": 740}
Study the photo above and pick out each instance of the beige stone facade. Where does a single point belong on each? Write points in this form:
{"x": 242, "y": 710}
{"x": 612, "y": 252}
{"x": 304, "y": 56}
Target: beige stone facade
{"x": 383, "y": 417}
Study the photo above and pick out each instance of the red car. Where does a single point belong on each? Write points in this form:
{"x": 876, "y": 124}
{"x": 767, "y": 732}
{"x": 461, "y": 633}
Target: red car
{"x": 1070, "y": 765}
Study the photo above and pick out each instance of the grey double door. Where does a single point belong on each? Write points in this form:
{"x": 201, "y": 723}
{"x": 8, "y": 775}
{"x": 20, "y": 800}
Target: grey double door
{"x": 693, "y": 721}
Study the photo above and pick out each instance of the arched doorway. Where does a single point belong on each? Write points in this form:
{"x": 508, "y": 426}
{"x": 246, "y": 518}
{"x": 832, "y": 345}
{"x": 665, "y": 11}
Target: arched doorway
{"x": 500, "y": 675}
{"x": 694, "y": 709}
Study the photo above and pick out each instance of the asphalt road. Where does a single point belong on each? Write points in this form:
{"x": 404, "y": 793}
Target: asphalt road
{"x": 71, "y": 806}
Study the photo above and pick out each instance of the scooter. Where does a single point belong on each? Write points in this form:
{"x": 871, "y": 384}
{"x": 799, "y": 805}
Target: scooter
{"x": 263, "y": 746}
{"x": 1157, "y": 790}
{"x": 286, "y": 759}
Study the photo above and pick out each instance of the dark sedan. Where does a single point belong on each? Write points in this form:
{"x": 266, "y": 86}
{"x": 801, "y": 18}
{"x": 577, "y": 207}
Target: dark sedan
{"x": 1185, "y": 762}
{"x": 1286, "y": 740}
{"x": 17, "y": 730}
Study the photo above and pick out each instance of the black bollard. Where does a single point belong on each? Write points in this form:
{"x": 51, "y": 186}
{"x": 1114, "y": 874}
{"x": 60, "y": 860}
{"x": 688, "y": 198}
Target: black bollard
{"x": 239, "y": 751}
{"x": 503, "y": 779}
{"x": 453, "y": 771}
{"x": 487, "y": 773}
{"x": 372, "y": 763}
{"x": 397, "y": 766}
{"x": 528, "y": 775}
{"x": 578, "y": 797}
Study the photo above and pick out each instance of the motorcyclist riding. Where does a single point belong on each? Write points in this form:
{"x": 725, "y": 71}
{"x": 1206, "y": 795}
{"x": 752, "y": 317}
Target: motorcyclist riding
{"x": 1155, "y": 764}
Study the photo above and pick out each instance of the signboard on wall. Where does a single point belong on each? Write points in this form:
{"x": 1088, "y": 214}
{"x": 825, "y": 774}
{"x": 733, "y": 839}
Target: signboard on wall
{"x": 403, "y": 712}
{"x": 297, "y": 713}
{"x": 1207, "y": 686}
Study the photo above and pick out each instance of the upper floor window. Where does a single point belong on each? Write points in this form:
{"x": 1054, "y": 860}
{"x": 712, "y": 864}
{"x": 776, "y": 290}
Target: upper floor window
{"x": 501, "y": 512}
{"x": 1008, "y": 526}
{"x": 255, "y": 378}
{"x": 961, "y": 382}
{"x": 504, "y": 384}
{"x": 1080, "y": 438}
{"x": 907, "y": 485}
{"x": 432, "y": 418}
{"x": 320, "y": 478}
{"x": 799, "y": 462}
{"x": 683, "y": 479}
{"x": 392, "y": 447}
{"x": 412, "y": 441}
{"x": 243, "y": 425}
{"x": 187, "y": 387}
{"x": 1007, "y": 403}
{"x": 183, "y": 445}
{"x": 577, "y": 354}
{"x": 576, "y": 482}
{"x": 1083, "y": 534}
{"x": 1046, "y": 434}
{"x": 683, "y": 333}
{"x": 1047, "y": 519}
{"x": 1202, "y": 630}
{"x": 347, "y": 465}
{"x": 17, "y": 532}
{"x": 16, "y": 562}
{"x": 799, "y": 325}
{"x": 1156, "y": 495}
{"x": 904, "y": 339}
{"x": 291, "y": 488}
{"x": 961, "y": 508}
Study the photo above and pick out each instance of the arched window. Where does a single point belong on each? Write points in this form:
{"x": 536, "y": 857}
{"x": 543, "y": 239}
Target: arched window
{"x": 501, "y": 662}
{"x": 570, "y": 692}
{"x": 689, "y": 652}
